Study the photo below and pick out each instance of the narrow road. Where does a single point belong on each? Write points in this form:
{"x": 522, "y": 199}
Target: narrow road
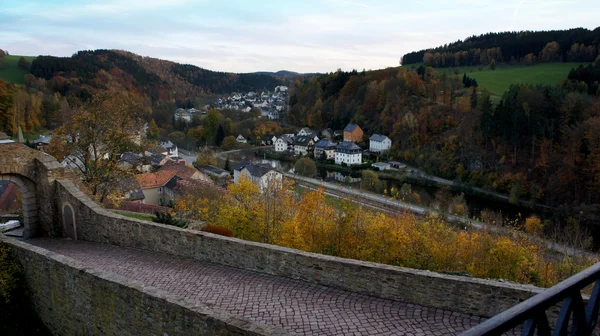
{"x": 299, "y": 307}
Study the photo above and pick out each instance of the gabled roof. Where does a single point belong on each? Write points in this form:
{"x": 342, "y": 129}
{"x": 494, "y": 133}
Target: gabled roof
{"x": 132, "y": 186}
{"x": 182, "y": 171}
{"x": 43, "y": 139}
{"x": 306, "y": 130}
{"x": 240, "y": 137}
{"x": 350, "y": 127}
{"x": 258, "y": 170}
{"x": 152, "y": 180}
{"x": 378, "y": 137}
{"x": 240, "y": 165}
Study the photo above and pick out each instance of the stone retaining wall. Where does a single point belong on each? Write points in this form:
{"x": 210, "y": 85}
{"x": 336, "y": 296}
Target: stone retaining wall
{"x": 455, "y": 293}
{"x": 73, "y": 300}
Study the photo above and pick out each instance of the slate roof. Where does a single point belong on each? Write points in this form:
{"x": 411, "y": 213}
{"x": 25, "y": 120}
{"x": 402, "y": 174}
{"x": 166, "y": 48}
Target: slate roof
{"x": 152, "y": 180}
{"x": 130, "y": 157}
{"x": 157, "y": 158}
{"x": 325, "y": 144}
{"x": 132, "y": 186}
{"x": 302, "y": 140}
{"x": 254, "y": 169}
{"x": 350, "y": 127}
{"x": 347, "y": 147}
{"x": 378, "y": 137}
{"x": 258, "y": 170}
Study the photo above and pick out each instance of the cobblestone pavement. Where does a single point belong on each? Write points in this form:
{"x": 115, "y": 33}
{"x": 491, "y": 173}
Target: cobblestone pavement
{"x": 299, "y": 307}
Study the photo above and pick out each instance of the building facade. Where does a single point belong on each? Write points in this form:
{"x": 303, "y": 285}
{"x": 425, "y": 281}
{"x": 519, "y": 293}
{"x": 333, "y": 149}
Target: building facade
{"x": 348, "y": 153}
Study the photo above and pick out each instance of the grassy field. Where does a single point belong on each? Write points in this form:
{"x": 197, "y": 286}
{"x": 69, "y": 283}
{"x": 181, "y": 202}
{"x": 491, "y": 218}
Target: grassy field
{"x": 499, "y": 80}
{"x": 12, "y": 73}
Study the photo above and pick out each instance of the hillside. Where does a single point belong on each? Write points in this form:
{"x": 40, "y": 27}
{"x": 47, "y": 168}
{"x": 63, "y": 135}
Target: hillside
{"x": 498, "y": 81}
{"x": 152, "y": 77}
{"x": 280, "y": 73}
{"x": 11, "y": 71}
{"x": 526, "y": 47}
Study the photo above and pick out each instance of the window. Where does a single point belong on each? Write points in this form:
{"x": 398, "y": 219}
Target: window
{"x": 160, "y": 190}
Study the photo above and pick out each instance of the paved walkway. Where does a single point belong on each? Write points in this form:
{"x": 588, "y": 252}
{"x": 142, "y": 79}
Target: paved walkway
{"x": 299, "y": 307}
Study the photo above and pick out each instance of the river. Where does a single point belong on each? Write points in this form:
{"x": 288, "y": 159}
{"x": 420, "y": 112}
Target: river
{"x": 426, "y": 193}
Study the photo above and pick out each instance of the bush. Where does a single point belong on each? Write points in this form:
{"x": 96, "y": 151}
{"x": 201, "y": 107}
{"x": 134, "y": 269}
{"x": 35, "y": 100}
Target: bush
{"x": 218, "y": 230}
{"x": 305, "y": 167}
{"x": 168, "y": 219}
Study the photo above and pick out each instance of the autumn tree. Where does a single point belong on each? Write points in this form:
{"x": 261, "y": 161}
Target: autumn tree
{"x": 177, "y": 138}
{"x": 153, "y": 131}
{"x": 206, "y": 157}
{"x": 91, "y": 141}
{"x": 305, "y": 167}
{"x": 229, "y": 143}
{"x": 369, "y": 180}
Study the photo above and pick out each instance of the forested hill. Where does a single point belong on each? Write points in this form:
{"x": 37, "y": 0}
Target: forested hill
{"x": 526, "y": 47}
{"x": 89, "y": 71}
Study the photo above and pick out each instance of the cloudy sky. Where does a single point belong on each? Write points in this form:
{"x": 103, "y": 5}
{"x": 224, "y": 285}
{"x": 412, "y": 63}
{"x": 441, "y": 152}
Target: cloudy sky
{"x": 249, "y": 35}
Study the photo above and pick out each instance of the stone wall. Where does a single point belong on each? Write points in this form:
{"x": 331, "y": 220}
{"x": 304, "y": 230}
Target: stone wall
{"x": 455, "y": 293}
{"x": 73, "y": 300}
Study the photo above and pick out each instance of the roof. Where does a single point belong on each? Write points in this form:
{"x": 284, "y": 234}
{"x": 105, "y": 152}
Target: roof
{"x": 157, "y": 158}
{"x": 302, "y": 140}
{"x": 378, "y": 137}
{"x": 130, "y": 157}
{"x": 168, "y": 145}
{"x": 158, "y": 150}
{"x": 181, "y": 170}
{"x": 4, "y": 136}
{"x": 307, "y": 130}
{"x": 240, "y": 137}
{"x": 258, "y": 170}
{"x": 350, "y": 127}
{"x": 380, "y": 164}
{"x": 325, "y": 143}
{"x": 347, "y": 145}
{"x": 240, "y": 165}
{"x": 153, "y": 180}
{"x": 131, "y": 185}
{"x": 254, "y": 169}
{"x": 214, "y": 170}
{"x": 43, "y": 139}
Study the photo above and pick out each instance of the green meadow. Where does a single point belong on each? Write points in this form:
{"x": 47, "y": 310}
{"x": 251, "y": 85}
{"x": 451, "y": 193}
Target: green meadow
{"x": 11, "y": 71}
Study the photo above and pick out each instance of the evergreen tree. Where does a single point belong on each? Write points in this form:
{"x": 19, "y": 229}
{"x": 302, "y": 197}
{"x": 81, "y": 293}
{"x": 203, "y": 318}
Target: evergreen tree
{"x": 220, "y": 136}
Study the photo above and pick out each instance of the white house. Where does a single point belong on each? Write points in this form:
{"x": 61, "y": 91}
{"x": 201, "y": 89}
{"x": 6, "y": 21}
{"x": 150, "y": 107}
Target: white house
{"x": 283, "y": 143}
{"x": 325, "y": 146}
{"x": 241, "y": 139}
{"x": 348, "y": 152}
{"x": 303, "y": 145}
{"x": 305, "y": 132}
{"x": 381, "y": 166}
{"x": 263, "y": 175}
{"x": 171, "y": 148}
{"x": 379, "y": 143}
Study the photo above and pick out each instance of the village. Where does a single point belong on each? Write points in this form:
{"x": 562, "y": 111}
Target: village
{"x": 270, "y": 103}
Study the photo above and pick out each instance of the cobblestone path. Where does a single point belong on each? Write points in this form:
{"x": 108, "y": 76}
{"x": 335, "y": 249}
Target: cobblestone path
{"x": 299, "y": 307}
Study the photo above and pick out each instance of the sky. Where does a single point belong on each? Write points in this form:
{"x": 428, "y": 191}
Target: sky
{"x": 265, "y": 35}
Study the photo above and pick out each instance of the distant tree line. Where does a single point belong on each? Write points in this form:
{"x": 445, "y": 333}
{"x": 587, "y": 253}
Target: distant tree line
{"x": 576, "y": 45}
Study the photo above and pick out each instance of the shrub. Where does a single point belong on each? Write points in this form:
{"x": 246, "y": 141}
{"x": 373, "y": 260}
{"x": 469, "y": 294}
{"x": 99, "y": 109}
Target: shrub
{"x": 169, "y": 219}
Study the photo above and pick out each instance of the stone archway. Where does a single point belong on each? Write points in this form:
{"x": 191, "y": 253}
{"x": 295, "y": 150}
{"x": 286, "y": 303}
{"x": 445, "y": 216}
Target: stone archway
{"x": 35, "y": 173}
{"x": 30, "y": 211}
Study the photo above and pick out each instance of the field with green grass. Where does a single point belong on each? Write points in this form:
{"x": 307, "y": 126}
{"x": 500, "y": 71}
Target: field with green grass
{"x": 499, "y": 80}
{"x": 11, "y": 72}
